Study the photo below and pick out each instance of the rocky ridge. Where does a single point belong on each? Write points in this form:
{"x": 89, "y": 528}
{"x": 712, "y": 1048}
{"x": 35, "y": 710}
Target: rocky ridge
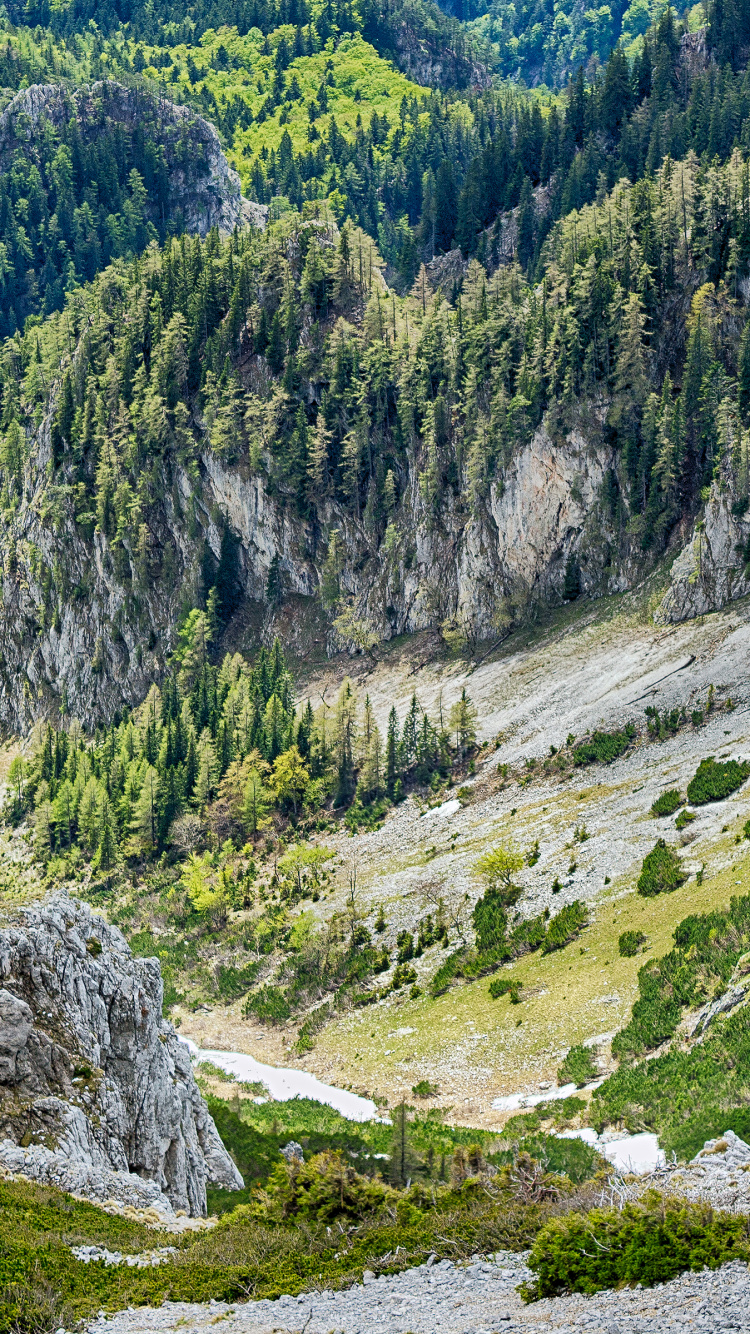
{"x": 718, "y": 1175}
{"x": 97, "y": 1093}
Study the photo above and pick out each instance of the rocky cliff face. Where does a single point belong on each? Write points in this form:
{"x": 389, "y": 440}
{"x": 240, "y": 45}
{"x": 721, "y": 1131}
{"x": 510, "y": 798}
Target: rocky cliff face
{"x": 101, "y": 650}
{"x": 204, "y": 194}
{"x": 97, "y": 1093}
{"x": 712, "y": 569}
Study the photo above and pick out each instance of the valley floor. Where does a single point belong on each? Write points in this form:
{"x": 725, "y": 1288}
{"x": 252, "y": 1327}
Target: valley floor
{"x": 595, "y": 665}
{"x": 478, "y": 1299}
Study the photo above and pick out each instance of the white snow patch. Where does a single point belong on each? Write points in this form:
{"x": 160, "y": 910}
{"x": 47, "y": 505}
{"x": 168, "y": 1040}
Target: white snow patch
{"x": 628, "y": 1153}
{"x": 447, "y": 808}
{"x": 513, "y": 1101}
{"x": 284, "y": 1084}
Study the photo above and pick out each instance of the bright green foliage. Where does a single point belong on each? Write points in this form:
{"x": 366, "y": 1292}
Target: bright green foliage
{"x": 565, "y": 927}
{"x": 684, "y": 818}
{"x": 578, "y": 1067}
{"x": 629, "y": 943}
{"x": 713, "y": 781}
{"x": 503, "y": 986}
{"x": 303, "y": 870}
{"x": 348, "y": 87}
{"x": 706, "y": 950}
{"x": 604, "y": 746}
{"x": 667, "y": 803}
{"x": 497, "y": 869}
{"x": 269, "y": 1004}
{"x": 662, "y": 871}
{"x": 649, "y": 1242}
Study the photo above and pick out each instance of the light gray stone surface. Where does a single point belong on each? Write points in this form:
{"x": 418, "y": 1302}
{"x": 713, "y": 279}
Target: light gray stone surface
{"x": 479, "y": 1298}
{"x": 97, "y": 1094}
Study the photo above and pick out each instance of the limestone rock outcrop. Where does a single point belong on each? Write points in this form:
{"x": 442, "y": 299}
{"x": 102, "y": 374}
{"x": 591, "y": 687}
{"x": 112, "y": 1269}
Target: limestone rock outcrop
{"x": 512, "y": 550}
{"x": 97, "y": 1093}
{"x": 712, "y": 569}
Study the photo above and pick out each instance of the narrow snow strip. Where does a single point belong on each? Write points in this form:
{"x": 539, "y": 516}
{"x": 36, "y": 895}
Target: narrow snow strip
{"x": 284, "y": 1084}
{"x": 513, "y": 1101}
{"x": 447, "y": 808}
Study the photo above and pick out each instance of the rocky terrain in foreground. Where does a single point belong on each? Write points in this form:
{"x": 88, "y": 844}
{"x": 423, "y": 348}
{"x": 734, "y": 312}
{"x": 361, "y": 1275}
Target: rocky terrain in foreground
{"x": 97, "y": 1094}
{"x": 480, "y": 1298}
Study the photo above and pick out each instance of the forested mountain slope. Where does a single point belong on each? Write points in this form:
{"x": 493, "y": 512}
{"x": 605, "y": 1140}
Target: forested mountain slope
{"x": 268, "y": 406}
{"x": 94, "y": 174}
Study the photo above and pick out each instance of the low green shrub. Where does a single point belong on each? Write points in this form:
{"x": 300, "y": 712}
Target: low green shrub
{"x": 629, "y": 943}
{"x": 687, "y": 1096}
{"x": 604, "y": 747}
{"x": 503, "y": 986}
{"x": 684, "y": 818}
{"x": 448, "y": 972}
{"x": 566, "y": 926}
{"x": 403, "y": 976}
{"x": 312, "y": 1025}
{"x": 661, "y": 726}
{"x": 525, "y": 937}
{"x": 425, "y": 1089}
{"x": 650, "y": 1242}
{"x": 43, "y": 1286}
{"x": 559, "y": 1110}
{"x": 714, "y": 780}
{"x": 405, "y": 946}
{"x": 661, "y": 872}
{"x": 231, "y": 982}
{"x": 268, "y": 1004}
{"x": 573, "y": 1158}
{"x": 326, "y": 1188}
{"x": 667, "y": 803}
{"x": 578, "y": 1067}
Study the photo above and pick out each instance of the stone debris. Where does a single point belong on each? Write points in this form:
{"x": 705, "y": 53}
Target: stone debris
{"x": 293, "y": 1152}
{"x": 97, "y": 1093}
{"x": 718, "y": 1175}
{"x": 144, "y": 1260}
{"x": 478, "y": 1298}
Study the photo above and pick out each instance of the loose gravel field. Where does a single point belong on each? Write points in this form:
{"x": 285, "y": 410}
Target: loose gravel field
{"x": 479, "y": 1298}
